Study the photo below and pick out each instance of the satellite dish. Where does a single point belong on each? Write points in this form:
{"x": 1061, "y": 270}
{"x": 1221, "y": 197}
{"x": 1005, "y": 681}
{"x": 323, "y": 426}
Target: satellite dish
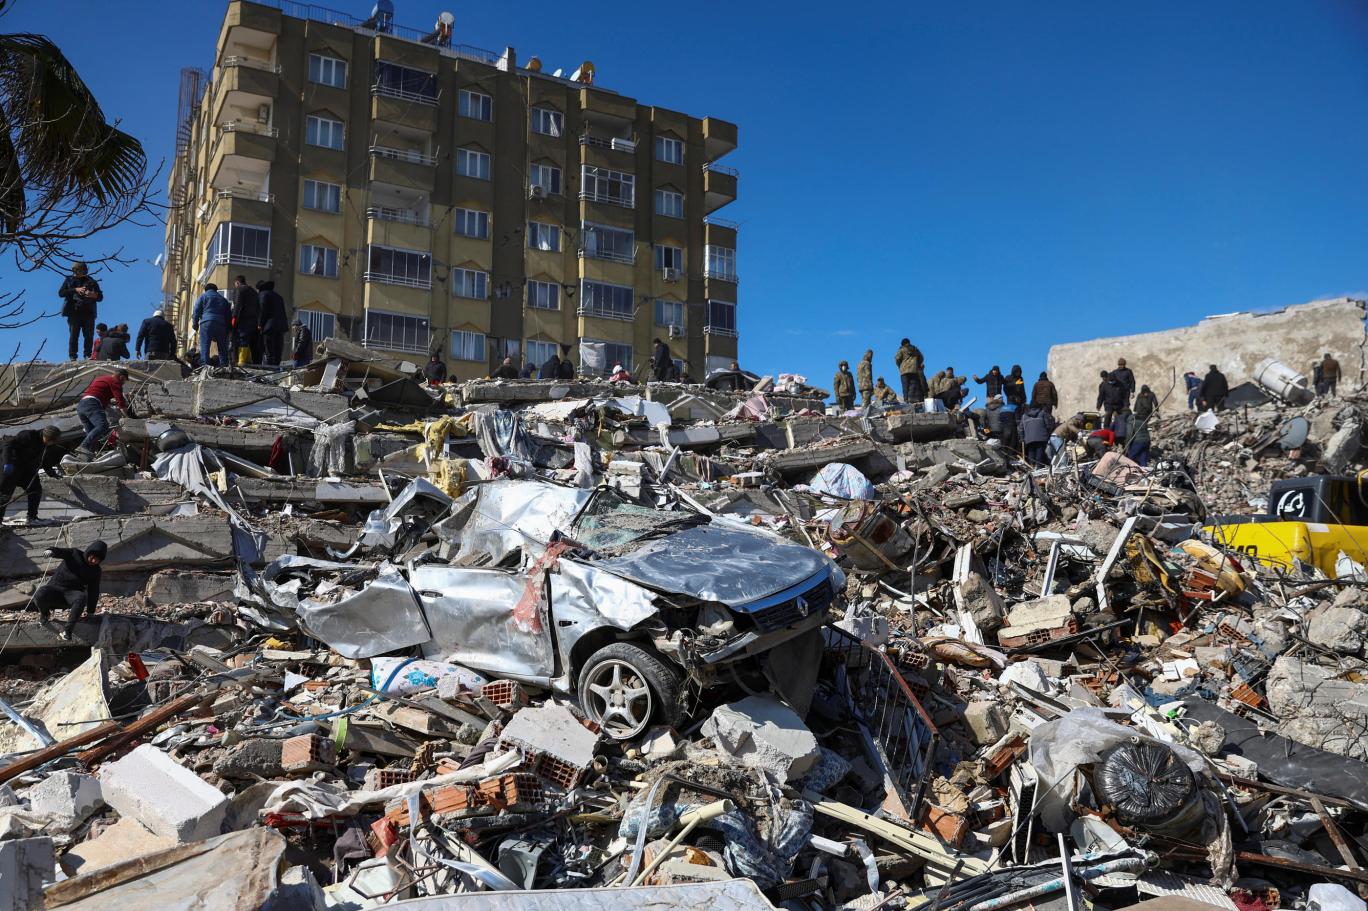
{"x": 446, "y": 19}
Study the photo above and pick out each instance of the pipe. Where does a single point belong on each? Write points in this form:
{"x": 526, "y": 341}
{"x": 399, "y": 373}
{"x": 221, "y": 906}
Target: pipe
{"x": 689, "y": 820}
{"x": 1121, "y": 865}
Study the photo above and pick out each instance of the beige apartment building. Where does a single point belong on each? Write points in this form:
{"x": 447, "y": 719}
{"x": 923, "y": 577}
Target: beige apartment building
{"x": 416, "y": 195}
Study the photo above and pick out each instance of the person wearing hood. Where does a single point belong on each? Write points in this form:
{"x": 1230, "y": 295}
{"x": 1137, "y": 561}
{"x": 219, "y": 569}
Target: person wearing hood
{"x": 912, "y": 371}
{"x": 1000, "y": 423}
{"x": 864, "y": 377}
{"x": 1014, "y": 389}
{"x": 74, "y": 584}
{"x": 843, "y": 387}
{"x": 80, "y": 296}
{"x": 210, "y": 319}
{"x": 24, "y": 454}
{"x": 1036, "y": 426}
{"x": 567, "y": 367}
{"x": 993, "y": 381}
{"x": 1138, "y": 436}
{"x": 1111, "y": 397}
{"x": 115, "y": 344}
{"x": 301, "y": 344}
{"x": 274, "y": 322}
{"x": 1211, "y": 395}
{"x": 157, "y": 337}
{"x": 662, "y": 364}
{"x": 550, "y": 368}
{"x": 1044, "y": 393}
{"x": 435, "y": 370}
{"x": 1146, "y": 404}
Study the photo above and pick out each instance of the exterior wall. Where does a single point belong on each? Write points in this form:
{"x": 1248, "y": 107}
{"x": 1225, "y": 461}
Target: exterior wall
{"x": 1235, "y": 342}
{"x": 275, "y": 77}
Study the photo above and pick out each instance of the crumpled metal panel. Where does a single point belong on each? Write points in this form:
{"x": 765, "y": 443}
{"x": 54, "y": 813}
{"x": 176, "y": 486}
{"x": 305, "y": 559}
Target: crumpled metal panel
{"x": 585, "y": 598}
{"x": 382, "y": 524}
{"x": 470, "y": 612}
{"x": 718, "y": 564}
{"x": 518, "y": 514}
{"x": 730, "y": 895}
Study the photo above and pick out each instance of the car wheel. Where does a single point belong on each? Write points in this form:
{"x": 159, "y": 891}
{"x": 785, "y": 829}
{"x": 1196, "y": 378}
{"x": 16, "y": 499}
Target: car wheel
{"x": 623, "y": 687}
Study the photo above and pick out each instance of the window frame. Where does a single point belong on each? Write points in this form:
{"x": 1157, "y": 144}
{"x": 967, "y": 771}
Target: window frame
{"x": 414, "y": 348}
{"x": 413, "y": 84}
{"x": 535, "y": 300}
{"x": 663, "y": 251}
{"x": 336, "y": 191}
{"x": 487, "y": 102}
{"x": 315, "y": 123}
{"x": 333, "y": 63}
{"x": 407, "y": 280}
{"x": 456, "y": 353}
{"x": 476, "y": 276}
{"x": 220, "y": 250}
{"x": 557, "y": 117}
{"x": 482, "y": 219}
{"x": 664, "y": 193}
{"x": 712, "y": 325}
{"x": 664, "y": 142}
{"x": 593, "y": 176}
{"x": 534, "y": 175}
{"x": 712, "y": 254}
{"x": 311, "y": 256}
{"x": 316, "y": 320}
{"x": 662, "y": 303}
{"x": 589, "y": 296}
{"x": 463, "y": 153}
{"x": 538, "y": 229}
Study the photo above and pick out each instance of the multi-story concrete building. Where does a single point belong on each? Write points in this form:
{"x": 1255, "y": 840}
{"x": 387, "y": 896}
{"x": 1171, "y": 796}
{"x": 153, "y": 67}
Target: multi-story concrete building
{"x": 417, "y": 195}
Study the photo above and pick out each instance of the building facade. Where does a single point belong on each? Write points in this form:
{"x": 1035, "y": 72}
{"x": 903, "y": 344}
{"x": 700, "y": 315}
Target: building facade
{"x": 416, "y": 197}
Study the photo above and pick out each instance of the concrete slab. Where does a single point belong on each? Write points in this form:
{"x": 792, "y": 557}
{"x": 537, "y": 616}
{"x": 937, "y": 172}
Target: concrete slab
{"x": 166, "y": 797}
{"x": 135, "y": 542}
{"x": 25, "y": 864}
{"x": 68, "y": 797}
{"x": 124, "y": 840}
{"x": 764, "y": 733}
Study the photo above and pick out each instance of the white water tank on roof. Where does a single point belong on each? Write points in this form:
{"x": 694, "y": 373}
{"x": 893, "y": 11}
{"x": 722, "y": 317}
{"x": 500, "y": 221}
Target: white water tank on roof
{"x": 1284, "y": 382}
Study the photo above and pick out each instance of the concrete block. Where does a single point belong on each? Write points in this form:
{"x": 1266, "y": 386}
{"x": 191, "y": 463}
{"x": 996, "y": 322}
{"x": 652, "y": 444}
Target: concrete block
{"x": 987, "y": 721}
{"x": 1340, "y": 629}
{"x": 175, "y": 587}
{"x": 166, "y": 797}
{"x": 25, "y": 864}
{"x": 552, "y": 730}
{"x": 67, "y": 797}
{"x": 123, "y": 841}
{"x": 763, "y": 733}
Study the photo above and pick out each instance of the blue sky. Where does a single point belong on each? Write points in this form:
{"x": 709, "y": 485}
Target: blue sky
{"x": 988, "y": 178}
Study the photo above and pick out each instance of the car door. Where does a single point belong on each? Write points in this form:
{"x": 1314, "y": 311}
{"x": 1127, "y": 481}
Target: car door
{"x": 470, "y": 613}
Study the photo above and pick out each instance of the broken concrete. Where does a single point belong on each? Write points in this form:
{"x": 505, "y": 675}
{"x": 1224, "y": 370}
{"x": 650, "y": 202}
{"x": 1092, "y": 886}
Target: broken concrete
{"x": 763, "y": 733}
{"x": 68, "y": 798}
{"x": 164, "y": 796}
{"x": 1319, "y": 708}
{"x": 25, "y": 865}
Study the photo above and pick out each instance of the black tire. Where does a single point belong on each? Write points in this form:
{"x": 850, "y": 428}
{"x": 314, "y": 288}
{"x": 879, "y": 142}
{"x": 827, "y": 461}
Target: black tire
{"x": 663, "y": 680}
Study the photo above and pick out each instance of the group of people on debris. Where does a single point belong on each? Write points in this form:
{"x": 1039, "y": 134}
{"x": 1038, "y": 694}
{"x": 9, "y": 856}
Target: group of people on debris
{"x": 559, "y": 366}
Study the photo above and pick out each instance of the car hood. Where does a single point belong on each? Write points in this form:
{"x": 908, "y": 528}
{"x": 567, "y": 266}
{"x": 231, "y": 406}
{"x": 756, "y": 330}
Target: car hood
{"x": 714, "y": 563}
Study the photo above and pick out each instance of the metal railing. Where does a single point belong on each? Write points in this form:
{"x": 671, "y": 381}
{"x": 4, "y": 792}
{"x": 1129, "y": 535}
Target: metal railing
{"x": 720, "y": 331}
{"x": 723, "y": 274}
{"x": 233, "y": 259}
{"x": 591, "y": 196}
{"x": 387, "y": 91}
{"x": 333, "y": 17}
{"x": 901, "y": 732}
{"x": 609, "y": 255}
{"x": 721, "y": 222}
{"x": 401, "y": 216}
{"x": 605, "y": 313}
{"x": 403, "y": 281}
{"x": 249, "y": 62}
{"x": 615, "y": 143}
{"x": 408, "y": 155}
{"x": 721, "y": 169}
{"x": 240, "y": 193}
{"x": 246, "y": 126}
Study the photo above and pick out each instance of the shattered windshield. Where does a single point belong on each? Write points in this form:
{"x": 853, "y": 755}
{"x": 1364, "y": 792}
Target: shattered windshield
{"x": 612, "y": 525}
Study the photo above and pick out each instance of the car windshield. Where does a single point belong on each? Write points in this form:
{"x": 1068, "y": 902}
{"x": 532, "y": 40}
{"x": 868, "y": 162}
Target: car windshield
{"x": 611, "y": 525}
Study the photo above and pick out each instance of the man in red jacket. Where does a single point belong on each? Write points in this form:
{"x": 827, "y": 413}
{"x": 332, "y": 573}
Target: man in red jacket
{"x": 91, "y": 409}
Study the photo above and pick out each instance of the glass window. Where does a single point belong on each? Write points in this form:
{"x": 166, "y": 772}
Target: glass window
{"x": 327, "y": 71}
{"x": 543, "y": 295}
{"x": 404, "y": 82}
{"x": 472, "y": 223}
{"x": 325, "y": 197}
{"x": 670, "y": 203}
{"x": 603, "y": 299}
{"x": 539, "y": 353}
{"x": 245, "y": 245}
{"x": 470, "y": 283}
{"x": 546, "y": 176}
{"x": 468, "y": 346}
{"x": 603, "y": 242}
{"x": 603, "y": 185}
{"x": 397, "y": 331}
{"x": 548, "y": 122}
{"x": 317, "y": 260}
{"x": 721, "y": 262}
{"x": 667, "y": 257}
{"x": 393, "y": 266}
{"x": 543, "y": 237}
{"x": 722, "y": 317}
{"x": 669, "y": 150}
{"x": 669, "y": 313}
{"x": 476, "y": 105}
{"x": 321, "y": 325}
{"x": 323, "y": 131}
{"x": 472, "y": 163}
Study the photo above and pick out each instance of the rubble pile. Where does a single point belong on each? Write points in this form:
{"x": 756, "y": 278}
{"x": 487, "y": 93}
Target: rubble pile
{"x": 367, "y": 642}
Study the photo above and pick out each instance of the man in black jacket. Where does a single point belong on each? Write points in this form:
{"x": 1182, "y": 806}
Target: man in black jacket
{"x": 1125, "y": 377}
{"x": 157, "y": 337}
{"x": 567, "y": 368}
{"x": 115, "y": 344}
{"x": 550, "y": 368}
{"x": 435, "y": 370}
{"x": 80, "y": 294}
{"x": 506, "y": 370}
{"x": 993, "y": 381}
{"x": 302, "y": 347}
{"x": 24, "y": 454}
{"x": 662, "y": 365}
{"x": 246, "y": 319}
{"x": 1211, "y": 395}
{"x": 1111, "y": 398}
{"x": 74, "y": 584}
{"x": 274, "y": 322}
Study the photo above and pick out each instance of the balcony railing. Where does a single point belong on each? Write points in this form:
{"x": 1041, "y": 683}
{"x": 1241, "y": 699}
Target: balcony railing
{"x": 250, "y": 62}
{"x": 726, "y": 275}
{"x": 611, "y": 256}
{"x": 241, "y": 193}
{"x": 615, "y": 143}
{"x": 389, "y": 91}
{"x": 721, "y": 222}
{"x": 408, "y": 155}
{"x": 247, "y": 126}
{"x": 402, "y": 216}
{"x": 605, "y": 313}
{"x": 239, "y": 259}
{"x": 721, "y": 169}
{"x": 403, "y": 281}
{"x": 719, "y": 330}
{"x": 591, "y": 196}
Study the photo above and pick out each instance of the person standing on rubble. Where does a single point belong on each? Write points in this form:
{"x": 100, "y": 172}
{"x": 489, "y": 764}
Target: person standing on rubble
{"x": 101, "y": 330}
{"x": 1330, "y": 374}
{"x": 92, "y": 409}
{"x": 1125, "y": 377}
{"x": 566, "y": 370}
{"x": 80, "y": 296}
{"x": 74, "y": 584}
{"x": 506, "y": 370}
{"x": 1036, "y": 425}
{"x": 1211, "y": 395}
{"x": 435, "y": 370}
{"x": 950, "y": 389}
{"x": 662, "y": 365}
{"x": 1044, "y": 394}
{"x": 1014, "y": 389}
{"x": 274, "y": 322}
{"x": 24, "y": 455}
{"x": 301, "y": 344}
{"x": 1111, "y": 397}
{"x": 864, "y": 377}
{"x": 843, "y": 387}
{"x": 550, "y": 368}
{"x": 157, "y": 338}
{"x": 1146, "y": 404}
{"x": 246, "y": 319}
{"x": 993, "y": 381}
{"x": 912, "y": 370}
{"x": 115, "y": 344}
{"x": 210, "y": 319}
{"x": 883, "y": 393}
{"x": 1193, "y": 383}
{"x": 1000, "y": 424}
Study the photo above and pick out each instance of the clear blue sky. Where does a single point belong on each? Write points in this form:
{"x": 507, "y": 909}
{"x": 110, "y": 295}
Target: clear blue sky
{"x": 988, "y": 178}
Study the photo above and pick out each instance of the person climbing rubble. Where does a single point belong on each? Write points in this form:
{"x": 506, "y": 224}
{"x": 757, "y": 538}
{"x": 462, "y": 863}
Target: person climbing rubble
{"x": 74, "y": 584}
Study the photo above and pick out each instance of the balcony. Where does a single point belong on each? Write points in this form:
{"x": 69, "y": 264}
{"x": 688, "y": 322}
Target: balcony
{"x": 402, "y": 281}
{"x": 719, "y": 138}
{"x": 398, "y": 216}
{"x": 256, "y": 63}
{"x": 719, "y": 187}
{"x": 720, "y": 274}
{"x": 409, "y": 155}
{"x": 387, "y": 91}
{"x": 611, "y": 256}
{"x": 720, "y": 331}
{"x": 409, "y": 109}
{"x": 402, "y": 167}
{"x": 232, "y": 259}
{"x": 613, "y": 143}
{"x": 238, "y": 204}
{"x": 608, "y": 199}
{"x": 239, "y": 148}
{"x": 605, "y": 313}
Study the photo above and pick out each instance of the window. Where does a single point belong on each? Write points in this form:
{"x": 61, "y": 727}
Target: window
{"x": 546, "y": 176}
{"x": 397, "y": 332}
{"x": 539, "y": 353}
{"x": 548, "y": 122}
{"x": 395, "y": 81}
{"x": 472, "y": 223}
{"x": 721, "y": 318}
{"x": 613, "y": 353}
{"x": 317, "y": 260}
{"x": 323, "y": 131}
{"x": 327, "y": 71}
{"x": 472, "y": 163}
{"x": 669, "y": 150}
{"x": 476, "y": 105}
{"x": 721, "y": 262}
{"x": 543, "y": 295}
{"x": 543, "y": 237}
{"x": 321, "y": 325}
{"x": 603, "y": 242}
{"x": 325, "y": 197}
{"x": 470, "y": 283}
{"x": 468, "y": 346}
{"x": 603, "y": 185}
{"x": 669, "y": 258}
{"x": 602, "y": 299}
{"x": 669, "y": 313}
{"x": 670, "y": 203}
{"x": 393, "y": 266}
{"x": 244, "y": 245}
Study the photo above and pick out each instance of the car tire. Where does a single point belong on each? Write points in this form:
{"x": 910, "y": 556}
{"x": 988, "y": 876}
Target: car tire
{"x": 610, "y": 685}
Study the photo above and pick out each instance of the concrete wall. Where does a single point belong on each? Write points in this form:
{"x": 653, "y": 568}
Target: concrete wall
{"x": 1235, "y": 342}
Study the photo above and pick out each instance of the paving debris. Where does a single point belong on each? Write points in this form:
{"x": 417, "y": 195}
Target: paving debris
{"x": 363, "y": 642}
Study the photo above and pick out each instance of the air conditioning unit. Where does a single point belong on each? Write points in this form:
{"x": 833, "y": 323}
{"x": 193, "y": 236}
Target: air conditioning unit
{"x": 676, "y": 332}
{"x": 623, "y": 145}
{"x": 671, "y": 275}
{"x": 537, "y": 191}
{"x": 264, "y": 113}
